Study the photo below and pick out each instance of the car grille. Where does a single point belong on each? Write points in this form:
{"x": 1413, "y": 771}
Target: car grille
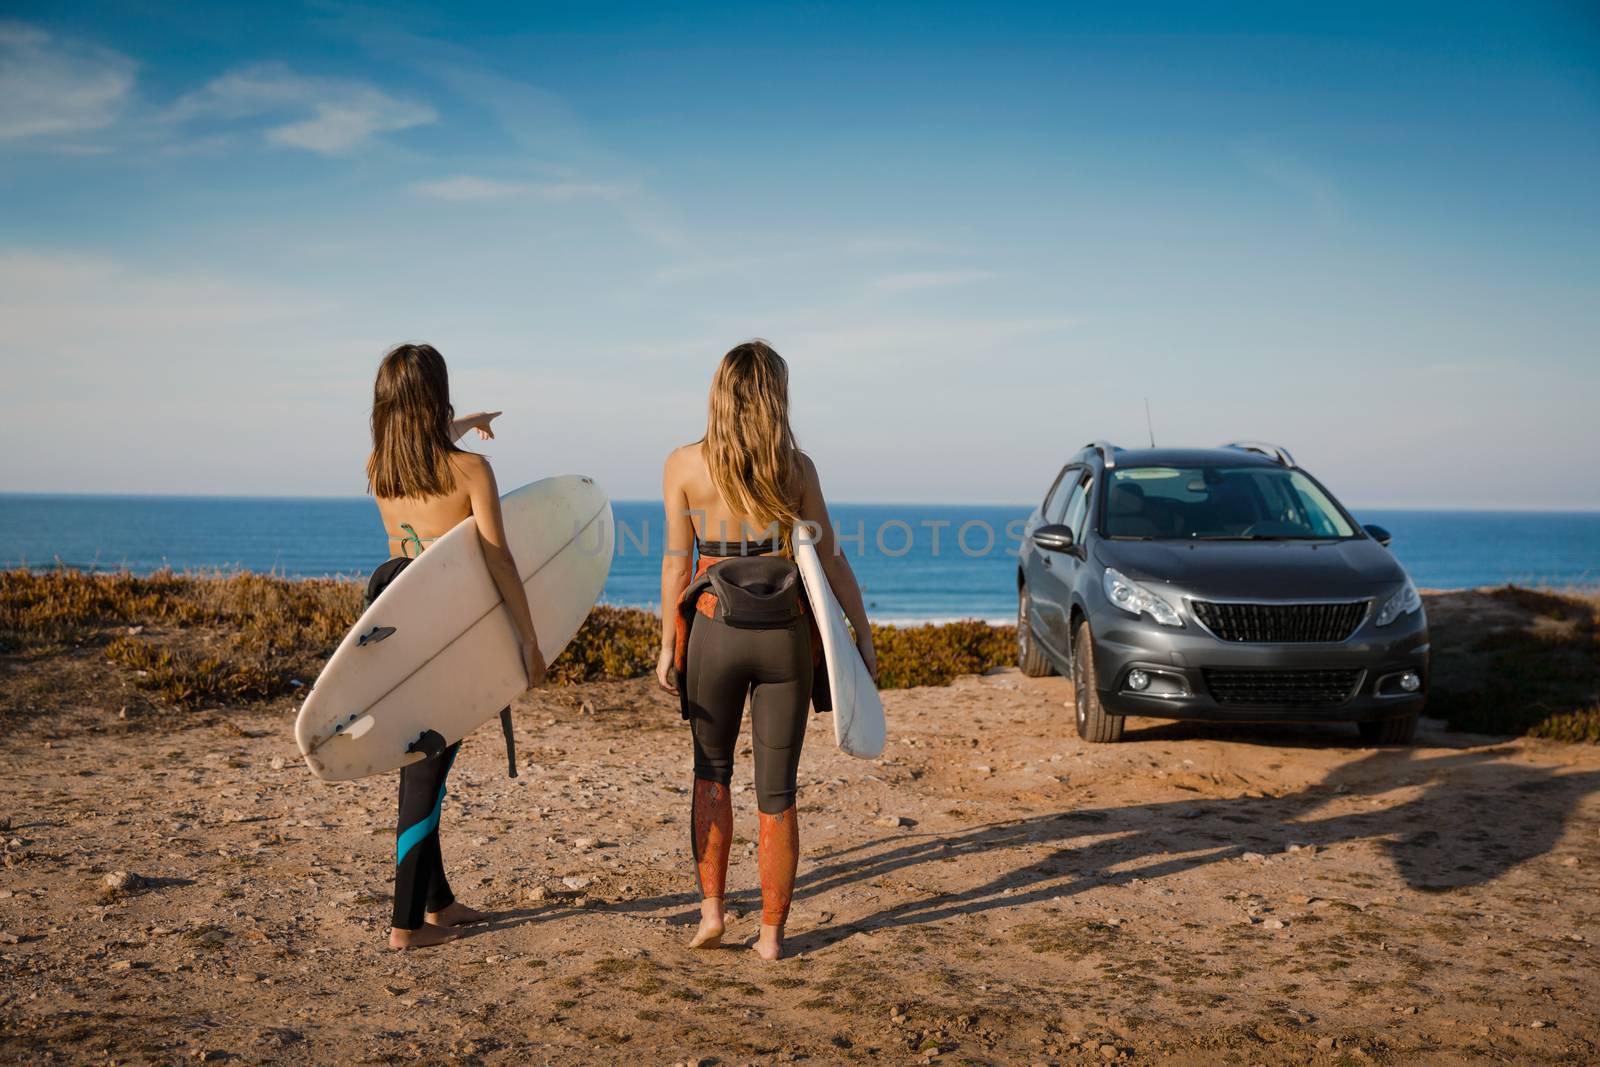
{"x": 1281, "y": 689}
{"x": 1280, "y": 622}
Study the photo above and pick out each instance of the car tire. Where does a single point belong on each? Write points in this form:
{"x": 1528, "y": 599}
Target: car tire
{"x": 1030, "y": 657}
{"x": 1401, "y": 731}
{"x": 1094, "y": 723}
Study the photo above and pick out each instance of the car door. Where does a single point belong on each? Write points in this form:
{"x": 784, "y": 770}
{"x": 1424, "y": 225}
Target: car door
{"x": 1048, "y": 579}
{"x": 1054, "y": 503}
{"x": 1068, "y": 569}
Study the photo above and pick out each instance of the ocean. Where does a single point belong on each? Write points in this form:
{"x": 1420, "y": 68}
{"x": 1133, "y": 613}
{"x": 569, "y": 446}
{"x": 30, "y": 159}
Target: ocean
{"x": 915, "y": 563}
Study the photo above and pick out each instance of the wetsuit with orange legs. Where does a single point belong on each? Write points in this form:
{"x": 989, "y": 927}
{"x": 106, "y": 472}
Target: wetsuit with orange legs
{"x": 772, "y": 669}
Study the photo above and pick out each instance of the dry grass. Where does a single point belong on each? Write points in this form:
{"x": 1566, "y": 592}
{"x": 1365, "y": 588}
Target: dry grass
{"x": 207, "y": 640}
{"x": 189, "y": 640}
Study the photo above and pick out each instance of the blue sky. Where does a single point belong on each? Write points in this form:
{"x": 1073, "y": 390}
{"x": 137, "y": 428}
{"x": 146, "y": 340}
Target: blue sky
{"x": 982, "y": 235}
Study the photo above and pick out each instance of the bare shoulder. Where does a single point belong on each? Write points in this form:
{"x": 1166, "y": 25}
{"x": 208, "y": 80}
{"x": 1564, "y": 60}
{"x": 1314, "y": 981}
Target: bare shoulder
{"x": 682, "y": 462}
{"x": 684, "y": 455}
{"x": 809, "y": 478}
{"x": 472, "y": 468}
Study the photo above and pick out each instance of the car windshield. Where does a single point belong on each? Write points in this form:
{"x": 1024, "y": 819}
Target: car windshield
{"x": 1254, "y": 503}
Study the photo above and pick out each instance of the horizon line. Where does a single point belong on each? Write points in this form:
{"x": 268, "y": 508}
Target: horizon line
{"x": 1551, "y": 509}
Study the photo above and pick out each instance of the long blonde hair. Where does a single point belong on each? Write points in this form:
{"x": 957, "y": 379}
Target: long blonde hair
{"x": 411, "y": 415}
{"x": 749, "y": 446}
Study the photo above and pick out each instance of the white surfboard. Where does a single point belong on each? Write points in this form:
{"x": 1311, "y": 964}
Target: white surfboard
{"x": 437, "y": 650}
{"x": 858, "y": 723}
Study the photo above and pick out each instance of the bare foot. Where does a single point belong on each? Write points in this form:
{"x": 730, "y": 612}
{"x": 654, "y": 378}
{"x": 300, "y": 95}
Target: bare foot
{"x": 424, "y": 936}
{"x": 769, "y": 946}
{"x": 457, "y": 914}
{"x": 711, "y": 924}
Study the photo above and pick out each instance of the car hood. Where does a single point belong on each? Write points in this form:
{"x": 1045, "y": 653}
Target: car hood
{"x": 1251, "y": 569}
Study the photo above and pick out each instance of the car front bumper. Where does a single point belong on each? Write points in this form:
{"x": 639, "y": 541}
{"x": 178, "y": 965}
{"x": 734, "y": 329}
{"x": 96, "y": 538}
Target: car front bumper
{"x": 1186, "y": 666}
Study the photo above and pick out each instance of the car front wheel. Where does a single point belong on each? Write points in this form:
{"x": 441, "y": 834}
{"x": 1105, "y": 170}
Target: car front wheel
{"x": 1094, "y": 723}
{"x": 1030, "y": 657}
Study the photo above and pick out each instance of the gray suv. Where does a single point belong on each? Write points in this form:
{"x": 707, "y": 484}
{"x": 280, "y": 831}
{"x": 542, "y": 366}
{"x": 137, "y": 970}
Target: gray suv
{"x": 1223, "y": 584}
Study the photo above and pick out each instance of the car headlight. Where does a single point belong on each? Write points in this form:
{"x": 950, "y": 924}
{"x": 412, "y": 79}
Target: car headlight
{"x": 1135, "y": 599}
{"x": 1402, "y": 603}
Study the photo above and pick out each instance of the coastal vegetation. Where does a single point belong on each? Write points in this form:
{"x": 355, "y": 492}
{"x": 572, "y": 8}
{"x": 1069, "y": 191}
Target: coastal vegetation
{"x": 1512, "y": 660}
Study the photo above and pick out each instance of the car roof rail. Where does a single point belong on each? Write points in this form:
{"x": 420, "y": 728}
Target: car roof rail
{"x": 1107, "y": 452}
{"x": 1276, "y": 453}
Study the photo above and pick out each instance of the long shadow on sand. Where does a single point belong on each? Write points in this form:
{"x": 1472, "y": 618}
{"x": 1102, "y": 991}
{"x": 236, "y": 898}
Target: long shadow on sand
{"x": 1474, "y": 819}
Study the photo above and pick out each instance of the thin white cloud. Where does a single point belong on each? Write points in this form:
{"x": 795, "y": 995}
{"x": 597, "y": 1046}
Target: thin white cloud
{"x": 53, "y": 301}
{"x": 915, "y": 281}
{"x": 465, "y": 188}
{"x": 329, "y": 116}
{"x": 50, "y": 86}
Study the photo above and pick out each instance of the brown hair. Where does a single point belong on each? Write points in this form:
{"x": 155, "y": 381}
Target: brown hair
{"x": 749, "y": 446}
{"x": 411, "y": 417}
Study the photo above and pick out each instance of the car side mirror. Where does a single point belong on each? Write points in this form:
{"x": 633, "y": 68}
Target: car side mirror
{"x": 1379, "y": 534}
{"x": 1054, "y": 537}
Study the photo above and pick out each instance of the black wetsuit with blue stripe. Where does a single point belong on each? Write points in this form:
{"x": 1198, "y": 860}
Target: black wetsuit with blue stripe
{"x": 419, "y": 882}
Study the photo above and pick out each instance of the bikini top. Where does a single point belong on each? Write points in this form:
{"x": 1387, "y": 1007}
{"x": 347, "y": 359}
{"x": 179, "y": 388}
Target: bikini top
{"x": 730, "y": 549}
{"x": 411, "y": 538}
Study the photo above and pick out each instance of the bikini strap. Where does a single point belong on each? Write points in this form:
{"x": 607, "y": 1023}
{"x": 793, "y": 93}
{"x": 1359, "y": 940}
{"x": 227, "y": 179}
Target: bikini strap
{"x": 412, "y": 538}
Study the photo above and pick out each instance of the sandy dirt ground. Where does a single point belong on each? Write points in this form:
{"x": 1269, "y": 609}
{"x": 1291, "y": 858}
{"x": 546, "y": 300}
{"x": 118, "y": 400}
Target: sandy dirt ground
{"x": 992, "y": 891}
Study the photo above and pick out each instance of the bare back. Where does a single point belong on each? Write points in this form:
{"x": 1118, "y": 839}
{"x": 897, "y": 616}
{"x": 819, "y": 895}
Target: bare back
{"x": 431, "y": 517}
{"x": 711, "y": 517}
{"x": 695, "y": 509}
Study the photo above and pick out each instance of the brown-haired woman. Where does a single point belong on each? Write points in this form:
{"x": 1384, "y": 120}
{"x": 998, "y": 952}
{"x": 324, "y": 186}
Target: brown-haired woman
{"x": 425, "y": 486}
{"x": 738, "y": 492}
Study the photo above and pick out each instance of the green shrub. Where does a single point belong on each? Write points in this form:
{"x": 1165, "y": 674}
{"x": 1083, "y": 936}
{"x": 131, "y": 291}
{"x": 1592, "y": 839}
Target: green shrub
{"x": 1581, "y": 727}
{"x": 623, "y": 643}
{"x": 611, "y": 643}
{"x": 934, "y": 654}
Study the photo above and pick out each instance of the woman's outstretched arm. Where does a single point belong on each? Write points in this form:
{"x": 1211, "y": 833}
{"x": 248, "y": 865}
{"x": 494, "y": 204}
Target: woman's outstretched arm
{"x": 677, "y": 558}
{"x": 485, "y": 496}
{"x": 477, "y": 421}
{"x": 841, "y": 579}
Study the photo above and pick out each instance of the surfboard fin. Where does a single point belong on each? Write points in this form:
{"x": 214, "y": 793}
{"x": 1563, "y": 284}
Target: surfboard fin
{"x": 429, "y": 743}
{"x": 374, "y": 635}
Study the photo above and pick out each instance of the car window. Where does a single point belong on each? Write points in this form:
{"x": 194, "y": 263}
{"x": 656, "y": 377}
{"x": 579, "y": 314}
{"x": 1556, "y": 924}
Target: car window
{"x": 1253, "y": 503}
{"x": 1055, "y": 502}
{"x": 1078, "y": 511}
{"x": 1315, "y": 510}
{"x": 1077, "y": 507}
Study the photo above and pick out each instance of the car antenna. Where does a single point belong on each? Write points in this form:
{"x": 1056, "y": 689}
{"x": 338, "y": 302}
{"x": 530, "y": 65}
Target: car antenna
{"x": 1147, "y": 424}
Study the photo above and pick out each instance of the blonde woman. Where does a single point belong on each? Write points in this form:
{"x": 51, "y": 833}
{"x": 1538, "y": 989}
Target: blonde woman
{"x": 739, "y": 630}
{"x": 424, "y": 485}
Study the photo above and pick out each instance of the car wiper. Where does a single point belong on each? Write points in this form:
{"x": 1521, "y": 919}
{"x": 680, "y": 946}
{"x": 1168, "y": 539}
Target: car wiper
{"x": 1261, "y": 537}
